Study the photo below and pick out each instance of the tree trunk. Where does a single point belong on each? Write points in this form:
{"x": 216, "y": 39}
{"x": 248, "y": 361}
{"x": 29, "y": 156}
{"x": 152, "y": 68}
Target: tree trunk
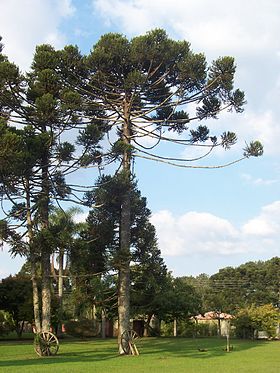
{"x": 46, "y": 291}
{"x": 36, "y": 301}
{"x": 147, "y": 325}
{"x": 74, "y": 288}
{"x": 60, "y": 273}
{"x": 124, "y": 272}
{"x": 53, "y": 273}
{"x": 19, "y": 328}
{"x": 219, "y": 327}
{"x": 45, "y": 250}
{"x": 157, "y": 326}
{"x": 175, "y": 327}
{"x": 124, "y": 254}
{"x": 123, "y": 302}
{"x": 103, "y": 324}
{"x": 60, "y": 290}
{"x": 228, "y": 337}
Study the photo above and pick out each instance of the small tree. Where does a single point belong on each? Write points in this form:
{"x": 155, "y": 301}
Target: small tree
{"x": 99, "y": 246}
{"x": 64, "y": 230}
{"x": 16, "y": 299}
{"x": 178, "y": 301}
{"x": 7, "y": 323}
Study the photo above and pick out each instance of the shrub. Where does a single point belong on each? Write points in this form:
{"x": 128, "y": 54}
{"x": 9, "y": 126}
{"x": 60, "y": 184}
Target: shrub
{"x": 6, "y": 323}
{"x": 188, "y": 328}
{"x": 262, "y": 318}
{"x": 244, "y": 325}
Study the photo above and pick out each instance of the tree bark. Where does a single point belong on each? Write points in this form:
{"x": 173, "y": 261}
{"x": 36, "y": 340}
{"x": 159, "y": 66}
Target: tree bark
{"x": 175, "y": 327}
{"x": 35, "y": 292}
{"x": 147, "y": 325}
{"x": 46, "y": 292}
{"x": 53, "y": 273}
{"x": 219, "y": 326}
{"x": 60, "y": 273}
{"x": 103, "y": 324}
{"x": 123, "y": 302}
{"x": 19, "y": 328}
{"x": 60, "y": 290}
{"x": 45, "y": 251}
{"x": 124, "y": 257}
{"x": 36, "y": 302}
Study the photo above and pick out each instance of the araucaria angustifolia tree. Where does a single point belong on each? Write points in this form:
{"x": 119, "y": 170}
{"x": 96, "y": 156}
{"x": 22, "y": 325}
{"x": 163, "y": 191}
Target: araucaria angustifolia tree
{"x": 102, "y": 242}
{"x": 37, "y": 110}
{"x": 154, "y": 87}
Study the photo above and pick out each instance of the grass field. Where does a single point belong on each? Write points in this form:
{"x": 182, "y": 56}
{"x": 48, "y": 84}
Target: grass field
{"x": 156, "y": 355}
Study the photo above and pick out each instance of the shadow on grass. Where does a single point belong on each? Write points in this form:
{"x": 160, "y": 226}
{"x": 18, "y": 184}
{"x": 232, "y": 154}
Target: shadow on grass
{"x": 59, "y": 359}
{"x": 202, "y": 348}
{"x": 102, "y": 350}
{"x": 69, "y": 352}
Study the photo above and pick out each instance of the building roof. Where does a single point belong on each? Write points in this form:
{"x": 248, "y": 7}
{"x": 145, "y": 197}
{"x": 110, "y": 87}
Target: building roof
{"x": 214, "y": 315}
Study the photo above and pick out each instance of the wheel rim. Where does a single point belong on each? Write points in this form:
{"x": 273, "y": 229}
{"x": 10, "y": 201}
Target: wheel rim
{"x": 46, "y": 344}
{"x": 128, "y": 338}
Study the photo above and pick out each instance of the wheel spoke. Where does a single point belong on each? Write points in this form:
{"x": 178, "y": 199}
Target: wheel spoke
{"x": 127, "y": 341}
{"x": 52, "y": 338}
{"x": 46, "y": 344}
{"x": 133, "y": 335}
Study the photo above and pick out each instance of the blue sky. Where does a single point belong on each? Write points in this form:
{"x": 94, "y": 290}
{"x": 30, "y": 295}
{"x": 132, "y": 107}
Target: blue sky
{"x": 205, "y": 219}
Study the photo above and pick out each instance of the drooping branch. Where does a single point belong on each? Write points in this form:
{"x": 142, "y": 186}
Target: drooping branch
{"x": 190, "y": 166}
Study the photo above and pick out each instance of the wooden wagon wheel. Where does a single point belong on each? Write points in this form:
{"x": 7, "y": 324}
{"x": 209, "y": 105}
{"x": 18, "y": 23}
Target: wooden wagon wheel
{"x": 128, "y": 339}
{"x": 46, "y": 344}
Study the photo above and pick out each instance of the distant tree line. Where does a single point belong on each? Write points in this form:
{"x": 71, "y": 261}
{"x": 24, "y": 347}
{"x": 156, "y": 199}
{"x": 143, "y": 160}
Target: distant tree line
{"x": 234, "y": 288}
{"x": 249, "y": 292}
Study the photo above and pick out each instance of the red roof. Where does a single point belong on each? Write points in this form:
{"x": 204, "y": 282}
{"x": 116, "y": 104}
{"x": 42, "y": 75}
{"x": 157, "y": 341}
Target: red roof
{"x": 212, "y": 315}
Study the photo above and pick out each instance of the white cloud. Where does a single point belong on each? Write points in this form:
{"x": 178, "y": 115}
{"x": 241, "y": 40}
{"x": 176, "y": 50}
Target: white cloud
{"x": 264, "y": 127}
{"x": 260, "y": 227}
{"x": 66, "y": 8}
{"x": 258, "y": 181}
{"x": 272, "y": 210}
{"x": 134, "y": 16}
{"x": 209, "y": 24}
{"x": 266, "y": 224}
{"x": 245, "y": 30}
{"x": 232, "y": 28}
{"x": 196, "y": 233}
{"x": 26, "y": 23}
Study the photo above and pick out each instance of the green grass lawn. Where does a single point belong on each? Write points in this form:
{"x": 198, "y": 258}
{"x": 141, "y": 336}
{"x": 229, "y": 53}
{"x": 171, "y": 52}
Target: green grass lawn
{"x": 156, "y": 355}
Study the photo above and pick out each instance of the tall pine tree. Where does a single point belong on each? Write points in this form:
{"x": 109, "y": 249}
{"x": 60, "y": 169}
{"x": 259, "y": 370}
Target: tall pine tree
{"x": 154, "y": 87}
{"x": 38, "y": 110}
